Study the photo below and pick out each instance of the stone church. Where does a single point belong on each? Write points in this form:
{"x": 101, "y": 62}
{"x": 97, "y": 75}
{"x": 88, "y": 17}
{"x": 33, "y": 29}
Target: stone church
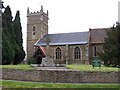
{"x": 78, "y": 47}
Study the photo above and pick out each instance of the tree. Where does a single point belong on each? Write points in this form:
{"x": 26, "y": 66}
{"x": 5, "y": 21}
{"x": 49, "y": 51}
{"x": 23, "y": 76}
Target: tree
{"x": 12, "y": 49}
{"x": 8, "y": 42}
{"x": 20, "y": 53}
{"x": 111, "y": 46}
{"x": 18, "y": 29}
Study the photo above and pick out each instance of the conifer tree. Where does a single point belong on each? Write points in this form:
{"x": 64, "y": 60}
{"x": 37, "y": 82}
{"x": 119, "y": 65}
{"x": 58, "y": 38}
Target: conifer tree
{"x": 8, "y": 42}
{"x": 18, "y": 29}
{"x": 20, "y": 53}
{"x": 12, "y": 49}
{"x": 111, "y": 55}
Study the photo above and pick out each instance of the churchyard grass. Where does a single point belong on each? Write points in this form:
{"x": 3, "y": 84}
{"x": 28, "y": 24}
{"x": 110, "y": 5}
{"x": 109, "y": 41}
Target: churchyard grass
{"x": 90, "y": 68}
{"x": 21, "y": 84}
{"x": 19, "y": 66}
{"x": 71, "y": 66}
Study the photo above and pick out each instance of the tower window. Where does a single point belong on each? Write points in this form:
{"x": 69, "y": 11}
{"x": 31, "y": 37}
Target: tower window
{"x": 77, "y": 53}
{"x": 58, "y": 53}
{"x": 33, "y": 31}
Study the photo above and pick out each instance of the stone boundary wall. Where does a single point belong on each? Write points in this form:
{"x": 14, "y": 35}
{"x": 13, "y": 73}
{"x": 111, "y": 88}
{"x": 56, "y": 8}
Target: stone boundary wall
{"x": 60, "y": 76}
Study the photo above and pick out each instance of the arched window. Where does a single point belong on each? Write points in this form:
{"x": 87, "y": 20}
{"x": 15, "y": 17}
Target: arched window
{"x": 77, "y": 53}
{"x": 94, "y": 51}
{"x": 58, "y": 53}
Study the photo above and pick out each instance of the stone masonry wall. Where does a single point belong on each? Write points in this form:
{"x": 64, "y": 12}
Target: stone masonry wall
{"x": 60, "y": 76}
{"x": 69, "y": 54}
{"x": 99, "y": 50}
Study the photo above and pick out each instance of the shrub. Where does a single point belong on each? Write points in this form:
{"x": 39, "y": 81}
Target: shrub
{"x": 31, "y": 60}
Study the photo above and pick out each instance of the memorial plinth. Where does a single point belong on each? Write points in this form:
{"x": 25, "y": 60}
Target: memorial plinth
{"x": 48, "y": 62}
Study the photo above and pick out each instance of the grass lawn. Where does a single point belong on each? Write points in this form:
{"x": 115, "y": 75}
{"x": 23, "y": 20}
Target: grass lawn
{"x": 90, "y": 68}
{"x": 72, "y": 66}
{"x": 19, "y": 66}
{"x": 20, "y": 84}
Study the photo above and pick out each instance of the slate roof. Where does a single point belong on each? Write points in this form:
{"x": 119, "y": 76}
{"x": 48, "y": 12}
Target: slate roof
{"x": 65, "y": 39}
{"x": 97, "y": 35}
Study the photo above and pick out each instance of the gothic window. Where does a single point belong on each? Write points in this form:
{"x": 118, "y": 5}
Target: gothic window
{"x": 58, "y": 53}
{"x": 34, "y": 31}
{"x": 95, "y": 51}
{"x": 77, "y": 53}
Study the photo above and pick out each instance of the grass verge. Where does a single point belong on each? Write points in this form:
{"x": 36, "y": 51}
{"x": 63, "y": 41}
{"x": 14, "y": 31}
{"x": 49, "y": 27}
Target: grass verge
{"x": 21, "y": 84}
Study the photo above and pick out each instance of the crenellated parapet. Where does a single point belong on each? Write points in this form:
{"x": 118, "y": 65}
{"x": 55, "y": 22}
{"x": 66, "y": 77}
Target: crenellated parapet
{"x": 41, "y": 12}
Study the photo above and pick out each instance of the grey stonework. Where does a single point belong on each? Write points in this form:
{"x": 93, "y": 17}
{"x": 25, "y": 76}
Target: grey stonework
{"x": 68, "y": 54}
{"x": 61, "y": 76}
{"x": 39, "y": 20}
{"x": 48, "y": 62}
{"x": 99, "y": 50}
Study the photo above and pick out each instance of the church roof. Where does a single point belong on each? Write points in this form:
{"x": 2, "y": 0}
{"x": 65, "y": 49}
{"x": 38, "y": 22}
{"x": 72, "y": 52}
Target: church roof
{"x": 65, "y": 39}
{"x": 97, "y": 35}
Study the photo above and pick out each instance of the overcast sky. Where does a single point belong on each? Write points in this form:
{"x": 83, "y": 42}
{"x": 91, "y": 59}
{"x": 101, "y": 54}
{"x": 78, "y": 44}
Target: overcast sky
{"x": 68, "y": 15}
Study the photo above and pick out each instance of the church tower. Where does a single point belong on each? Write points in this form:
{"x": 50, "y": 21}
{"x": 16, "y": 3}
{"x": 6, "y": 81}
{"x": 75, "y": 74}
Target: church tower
{"x": 37, "y": 27}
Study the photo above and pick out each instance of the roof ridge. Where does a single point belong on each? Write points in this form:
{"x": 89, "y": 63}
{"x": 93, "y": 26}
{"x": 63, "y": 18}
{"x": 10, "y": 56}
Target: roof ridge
{"x": 98, "y": 28}
{"x": 68, "y": 33}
